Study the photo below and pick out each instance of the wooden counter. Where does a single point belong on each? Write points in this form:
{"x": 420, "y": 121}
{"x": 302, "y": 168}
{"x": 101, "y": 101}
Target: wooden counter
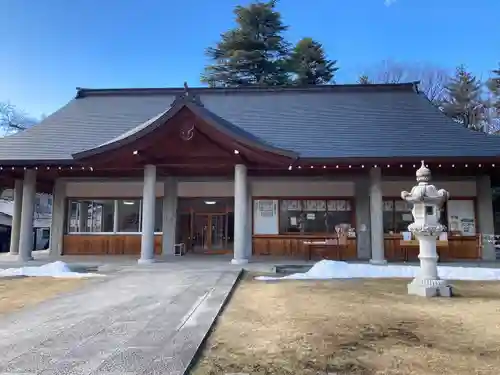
{"x": 106, "y": 244}
{"x": 293, "y": 245}
{"x": 459, "y": 247}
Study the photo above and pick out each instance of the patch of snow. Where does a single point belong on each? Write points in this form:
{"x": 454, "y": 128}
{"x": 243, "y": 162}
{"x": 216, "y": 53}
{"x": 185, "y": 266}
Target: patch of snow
{"x": 56, "y": 269}
{"x": 329, "y": 269}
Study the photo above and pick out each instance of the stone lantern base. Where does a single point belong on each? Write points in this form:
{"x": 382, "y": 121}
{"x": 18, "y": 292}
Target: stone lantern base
{"x": 429, "y": 288}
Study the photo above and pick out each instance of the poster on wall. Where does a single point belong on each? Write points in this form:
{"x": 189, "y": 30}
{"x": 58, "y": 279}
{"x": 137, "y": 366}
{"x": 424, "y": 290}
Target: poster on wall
{"x": 266, "y": 208}
{"x": 461, "y": 217}
{"x": 265, "y": 217}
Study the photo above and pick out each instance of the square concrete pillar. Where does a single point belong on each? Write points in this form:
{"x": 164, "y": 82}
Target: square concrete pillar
{"x": 376, "y": 217}
{"x": 485, "y": 216}
{"x": 363, "y": 220}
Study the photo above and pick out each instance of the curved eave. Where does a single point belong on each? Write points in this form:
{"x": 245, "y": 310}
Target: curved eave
{"x": 209, "y": 117}
{"x": 218, "y": 124}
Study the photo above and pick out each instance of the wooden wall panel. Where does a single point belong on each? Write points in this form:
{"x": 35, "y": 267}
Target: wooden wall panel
{"x": 459, "y": 247}
{"x": 106, "y": 244}
{"x": 462, "y": 247}
{"x": 294, "y": 247}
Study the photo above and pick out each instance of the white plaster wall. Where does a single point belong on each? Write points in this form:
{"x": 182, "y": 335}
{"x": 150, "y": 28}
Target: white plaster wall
{"x": 95, "y": 189}
{"x": 302, "y": 189}
{"x": 129, "y": 189}
{"x": 206, "y": 189}
{"x": 455, "y": 188}
{"x": 5, "y": 220}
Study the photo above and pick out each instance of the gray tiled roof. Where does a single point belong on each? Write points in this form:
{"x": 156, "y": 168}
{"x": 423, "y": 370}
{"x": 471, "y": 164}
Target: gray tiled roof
{"x": 328, "y": 122}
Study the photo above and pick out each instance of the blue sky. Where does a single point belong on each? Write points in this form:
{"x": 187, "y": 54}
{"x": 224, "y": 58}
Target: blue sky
{"x": 50, "y": 47}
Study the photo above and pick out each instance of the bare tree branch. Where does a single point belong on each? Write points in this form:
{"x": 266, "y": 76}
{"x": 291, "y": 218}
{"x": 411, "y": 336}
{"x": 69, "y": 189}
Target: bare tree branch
{"x": 12, "y": 119}
{"x": 432, "y": 78}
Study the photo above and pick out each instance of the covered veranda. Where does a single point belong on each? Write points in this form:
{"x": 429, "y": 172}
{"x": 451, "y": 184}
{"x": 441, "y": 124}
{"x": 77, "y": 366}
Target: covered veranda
{"x": 186, "y": 140}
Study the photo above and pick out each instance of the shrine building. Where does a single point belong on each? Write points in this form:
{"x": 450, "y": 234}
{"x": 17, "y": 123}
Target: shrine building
{"x": 248, "y": 171}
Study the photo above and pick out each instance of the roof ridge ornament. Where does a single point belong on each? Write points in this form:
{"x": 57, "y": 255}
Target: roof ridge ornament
{"x": 187, "y": 97}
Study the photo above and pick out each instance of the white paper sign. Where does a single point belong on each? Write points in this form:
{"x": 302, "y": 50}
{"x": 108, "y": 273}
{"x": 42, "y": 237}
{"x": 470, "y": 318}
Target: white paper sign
{"x": 265, "y": 218}
{"x": 461, "y": 216}
{"x": 407, "y": 217}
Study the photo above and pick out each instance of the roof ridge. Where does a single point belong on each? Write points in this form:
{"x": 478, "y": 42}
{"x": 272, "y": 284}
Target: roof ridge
{"x": 405, "y": 86}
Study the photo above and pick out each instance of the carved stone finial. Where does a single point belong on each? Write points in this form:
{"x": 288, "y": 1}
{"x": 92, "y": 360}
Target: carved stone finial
{"x": 423, "y": 173}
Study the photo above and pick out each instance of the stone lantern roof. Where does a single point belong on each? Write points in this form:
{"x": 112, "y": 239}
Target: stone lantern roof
{"x": 424, "y": 192}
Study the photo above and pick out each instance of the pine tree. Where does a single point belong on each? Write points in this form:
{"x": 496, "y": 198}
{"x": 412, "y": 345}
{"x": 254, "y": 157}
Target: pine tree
{"x": 493, "y": 86}
{"x": 253, "y": 53}
{"x": 364, "y": 80}
{"x": 463, "y": 100}
{"x": 308, "y": 64}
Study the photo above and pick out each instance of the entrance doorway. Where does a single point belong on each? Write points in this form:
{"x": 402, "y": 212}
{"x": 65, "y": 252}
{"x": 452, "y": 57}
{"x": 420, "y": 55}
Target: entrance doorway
{"x": 212, "y": 232}
{"x": 206, "y": 225}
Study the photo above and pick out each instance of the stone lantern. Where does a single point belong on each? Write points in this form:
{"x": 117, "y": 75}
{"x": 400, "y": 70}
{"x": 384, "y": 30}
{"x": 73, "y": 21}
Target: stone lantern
{"x": 427, "y": 202}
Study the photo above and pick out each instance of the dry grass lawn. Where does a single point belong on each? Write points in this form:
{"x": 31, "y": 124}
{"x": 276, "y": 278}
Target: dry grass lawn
{"x": 354, "y": 327}
{"x": 17, "y": 293}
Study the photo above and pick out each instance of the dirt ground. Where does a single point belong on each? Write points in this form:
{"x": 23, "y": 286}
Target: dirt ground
{"x": 354, "y": 327}
{"x": 17, "y": 293}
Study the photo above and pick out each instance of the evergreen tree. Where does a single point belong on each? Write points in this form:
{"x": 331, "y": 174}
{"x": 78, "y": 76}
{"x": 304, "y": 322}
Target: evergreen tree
{"x": 253, "y": 53}
{"x": 364, "y": 80}
{"x": 463, "y": 100}
{"x": 493, "y": 86}
{"x": 308, "y": 64}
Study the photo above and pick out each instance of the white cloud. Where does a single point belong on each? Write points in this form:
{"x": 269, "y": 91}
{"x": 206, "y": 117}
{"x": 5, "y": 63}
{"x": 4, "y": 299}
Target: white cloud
{"x": 388, "y": 3}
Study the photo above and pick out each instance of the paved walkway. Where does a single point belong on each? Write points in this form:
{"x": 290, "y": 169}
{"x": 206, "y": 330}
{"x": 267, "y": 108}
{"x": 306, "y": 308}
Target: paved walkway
{"x": 114, "y": 263}
{"x": 147, "y": 321}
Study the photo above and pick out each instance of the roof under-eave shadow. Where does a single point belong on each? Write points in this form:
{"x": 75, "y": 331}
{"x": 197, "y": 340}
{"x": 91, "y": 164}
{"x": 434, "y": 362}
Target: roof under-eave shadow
{"x": 160, "y": 119}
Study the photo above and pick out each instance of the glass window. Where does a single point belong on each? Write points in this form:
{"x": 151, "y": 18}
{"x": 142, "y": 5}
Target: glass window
{"x": 443, "y": 218}
{"x": 388, "y": 215}
{"x": 313, "y": 215}
{"x": 402, "y": 216}
{"x": 90, "y": 216}
{"x": 129, "y": 215}
{"x": 159, "y": 215}
{"x": 72, "y": 217}
{"x": 396, "y": 216}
